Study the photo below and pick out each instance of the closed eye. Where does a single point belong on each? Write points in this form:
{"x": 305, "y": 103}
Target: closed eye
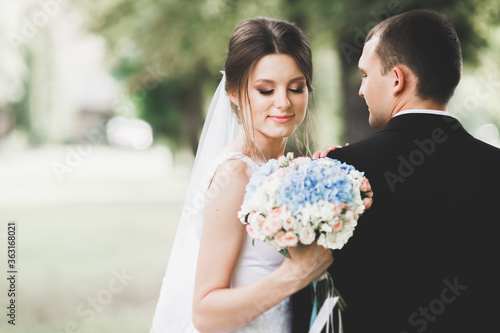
{"x": 297, "y": 91}
{"x": 266, "y": 92}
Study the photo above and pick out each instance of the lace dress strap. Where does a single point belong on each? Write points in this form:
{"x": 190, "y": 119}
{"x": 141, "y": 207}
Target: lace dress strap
{"x": 224, "y": 157}
{"x": 239, "y": 156}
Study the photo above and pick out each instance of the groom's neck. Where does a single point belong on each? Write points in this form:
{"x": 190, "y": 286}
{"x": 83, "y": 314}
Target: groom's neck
{"x": 419, "y": 104}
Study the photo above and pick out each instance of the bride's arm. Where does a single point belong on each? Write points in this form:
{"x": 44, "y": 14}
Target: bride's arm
{"x": 218, "y": 308}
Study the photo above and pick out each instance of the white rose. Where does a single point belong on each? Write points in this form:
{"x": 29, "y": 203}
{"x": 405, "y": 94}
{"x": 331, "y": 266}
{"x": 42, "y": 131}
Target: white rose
{"x": 322, "y": 241}
{"x": 305, "y": 214}
{"x": 349, "y": 215}
{"x": 325, "y": 227}
{"x": 307, "y": 235}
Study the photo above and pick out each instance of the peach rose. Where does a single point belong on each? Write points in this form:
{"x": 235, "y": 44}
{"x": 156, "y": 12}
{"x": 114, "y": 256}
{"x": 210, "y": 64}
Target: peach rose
{"x": 271, "y": 225}
{"x": 367, "y": 202}
{"x": 256, "y": 219}
{"x": 290, "y": 239}
{"x": 289, "y": 223}
{"x": 337, "y": 210}
{"x": 338, "y": 226}
{"x": 250, "y": 231}
{"x": 279, "y": 238}
{"x": 365, "y": 185}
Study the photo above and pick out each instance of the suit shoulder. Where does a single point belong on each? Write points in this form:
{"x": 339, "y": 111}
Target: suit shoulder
{"x": 358, "y": 150}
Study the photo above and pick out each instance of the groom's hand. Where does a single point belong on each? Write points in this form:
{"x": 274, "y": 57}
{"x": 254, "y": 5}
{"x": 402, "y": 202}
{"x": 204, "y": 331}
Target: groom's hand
{"x": 324, "y": 151}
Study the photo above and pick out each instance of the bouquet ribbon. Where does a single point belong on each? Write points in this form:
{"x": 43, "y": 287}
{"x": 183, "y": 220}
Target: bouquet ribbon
{"x": 325, "y": 314}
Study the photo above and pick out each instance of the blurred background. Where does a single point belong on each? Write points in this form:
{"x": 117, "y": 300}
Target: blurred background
{"x": 101, "y": 107}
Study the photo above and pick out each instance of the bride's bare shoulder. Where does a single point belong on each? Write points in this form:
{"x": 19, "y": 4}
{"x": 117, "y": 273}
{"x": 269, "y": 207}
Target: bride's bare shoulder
{"x": 232, "y": 174}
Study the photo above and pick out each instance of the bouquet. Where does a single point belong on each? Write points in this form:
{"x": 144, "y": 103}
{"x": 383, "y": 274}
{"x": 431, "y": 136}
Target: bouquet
{"x": 289, "y": 200}
{"x": 292, "y": 200}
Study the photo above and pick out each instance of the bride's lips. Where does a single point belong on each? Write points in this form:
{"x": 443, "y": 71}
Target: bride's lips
{"x": 281, "y": 119}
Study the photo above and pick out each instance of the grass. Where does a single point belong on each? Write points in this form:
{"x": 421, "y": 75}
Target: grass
{"x": 75, "y": 237}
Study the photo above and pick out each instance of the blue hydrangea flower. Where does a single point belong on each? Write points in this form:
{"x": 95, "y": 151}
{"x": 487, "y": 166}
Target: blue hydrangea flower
{"x": 312, "y": 181}
{"x": 316, "y": 180}
{"x": 258, "y": 178}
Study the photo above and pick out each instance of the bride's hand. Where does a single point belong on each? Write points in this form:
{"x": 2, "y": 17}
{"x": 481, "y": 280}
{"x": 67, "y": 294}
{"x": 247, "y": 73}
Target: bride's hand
{"x": 308, "y": 262}
{"x": 324, "y": 151}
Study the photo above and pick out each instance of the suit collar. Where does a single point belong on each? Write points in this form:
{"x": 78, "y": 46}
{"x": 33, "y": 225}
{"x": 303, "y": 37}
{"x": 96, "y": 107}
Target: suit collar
{"x": 422, "y": 121}
{"x": 424, "y": 111}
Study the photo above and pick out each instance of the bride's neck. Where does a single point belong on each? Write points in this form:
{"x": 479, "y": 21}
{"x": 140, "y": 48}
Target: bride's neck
{"x": 269, "y": 148}
{"x": 260, "y": 149}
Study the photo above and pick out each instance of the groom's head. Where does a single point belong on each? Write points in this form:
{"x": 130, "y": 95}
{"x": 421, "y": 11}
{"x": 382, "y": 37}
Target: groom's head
{"x": 409, "y": 60}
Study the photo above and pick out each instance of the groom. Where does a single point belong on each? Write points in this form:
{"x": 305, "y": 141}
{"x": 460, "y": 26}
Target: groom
{"x": 425, "y": 257}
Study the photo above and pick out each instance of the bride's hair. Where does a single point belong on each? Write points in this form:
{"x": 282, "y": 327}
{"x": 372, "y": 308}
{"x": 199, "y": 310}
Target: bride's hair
{"x": 251, "y": 41}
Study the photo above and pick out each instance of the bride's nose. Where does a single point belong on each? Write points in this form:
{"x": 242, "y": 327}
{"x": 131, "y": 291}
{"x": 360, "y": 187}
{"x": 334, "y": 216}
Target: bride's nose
{"x": 282, "y": 102}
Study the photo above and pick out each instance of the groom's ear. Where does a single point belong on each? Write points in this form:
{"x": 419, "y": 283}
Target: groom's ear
{"x": 399, "y": 80}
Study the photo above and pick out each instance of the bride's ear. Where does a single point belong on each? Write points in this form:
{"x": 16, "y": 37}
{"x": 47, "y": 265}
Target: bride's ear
{"x": 234, "y": 99}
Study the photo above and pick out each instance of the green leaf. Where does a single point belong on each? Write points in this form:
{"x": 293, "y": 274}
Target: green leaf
{"x": 286, "y": 253}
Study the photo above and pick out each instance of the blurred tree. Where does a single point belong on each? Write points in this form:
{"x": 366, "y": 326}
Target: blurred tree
{"x": 168, "y": 50}
{"x": 13, "y": 70}
{"x": 349, "y": 21}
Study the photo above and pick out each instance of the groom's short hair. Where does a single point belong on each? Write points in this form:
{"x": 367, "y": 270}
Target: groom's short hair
{"x": 426, "y": 42}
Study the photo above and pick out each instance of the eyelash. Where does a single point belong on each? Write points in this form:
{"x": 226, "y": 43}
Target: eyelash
{"x": 269, "y": 92}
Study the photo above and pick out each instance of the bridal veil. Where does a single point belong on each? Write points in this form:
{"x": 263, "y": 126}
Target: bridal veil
{"x": 174, "y": 309}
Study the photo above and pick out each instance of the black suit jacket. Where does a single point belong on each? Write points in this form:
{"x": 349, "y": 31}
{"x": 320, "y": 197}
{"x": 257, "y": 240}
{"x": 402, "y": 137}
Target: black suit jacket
{"x": 424, "y": 258}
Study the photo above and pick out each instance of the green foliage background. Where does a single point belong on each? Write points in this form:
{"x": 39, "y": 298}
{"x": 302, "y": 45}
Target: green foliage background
{"x": 119, "y": 208}
{"x": 187, "y": 40}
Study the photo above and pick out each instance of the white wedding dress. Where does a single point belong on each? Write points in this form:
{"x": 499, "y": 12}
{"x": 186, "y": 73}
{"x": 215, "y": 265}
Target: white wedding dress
{"x": 255, "y": 262}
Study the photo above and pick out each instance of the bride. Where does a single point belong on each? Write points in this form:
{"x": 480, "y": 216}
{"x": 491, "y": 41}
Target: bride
{"x": 217, "y": 280}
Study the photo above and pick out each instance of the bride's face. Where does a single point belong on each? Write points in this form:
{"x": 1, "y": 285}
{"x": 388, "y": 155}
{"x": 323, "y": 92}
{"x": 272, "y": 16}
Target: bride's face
{"x": 278, "y": 96}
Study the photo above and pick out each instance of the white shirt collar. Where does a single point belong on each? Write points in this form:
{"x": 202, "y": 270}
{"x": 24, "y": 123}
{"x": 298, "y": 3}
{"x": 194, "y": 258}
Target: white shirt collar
{"x": 424, "y": 111}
